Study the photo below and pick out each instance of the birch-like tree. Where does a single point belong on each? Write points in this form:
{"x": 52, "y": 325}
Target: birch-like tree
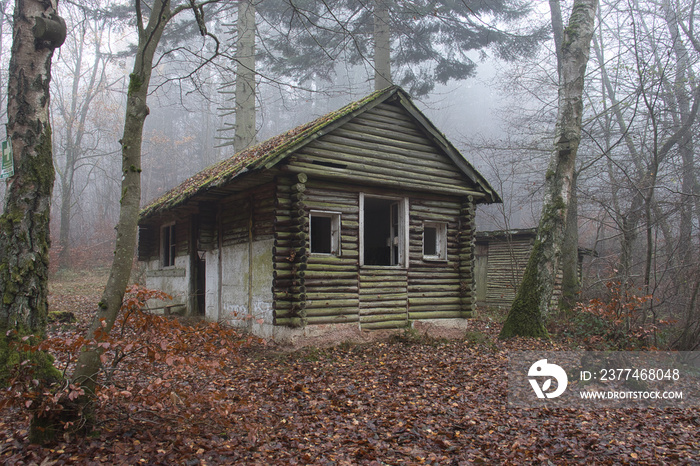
{"x": 531, "y": 305}
{"x": 24, "y": 224}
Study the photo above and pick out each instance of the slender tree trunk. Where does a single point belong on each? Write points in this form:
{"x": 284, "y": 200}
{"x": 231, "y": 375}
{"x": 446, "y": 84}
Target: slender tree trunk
{"x": 570, "y": 281}
{"x": 531, "y": 305}
{"x": 88, "y": 364}
{"x": 245, "y": 77}
{"x": 382, "y": 45}
{"x": 76, "y": 121}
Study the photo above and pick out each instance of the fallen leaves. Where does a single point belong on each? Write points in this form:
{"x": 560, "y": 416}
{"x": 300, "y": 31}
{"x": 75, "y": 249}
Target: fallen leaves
{"x": 395, "y": 402}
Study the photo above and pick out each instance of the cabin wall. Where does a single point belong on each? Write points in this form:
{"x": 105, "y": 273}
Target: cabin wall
{"x": 382, "y": 146}
{"x": 173, "y": 280}
{"x": 239, "y": 261}
{"x": 318, "y": 289}
{"x": 501, "y": 264}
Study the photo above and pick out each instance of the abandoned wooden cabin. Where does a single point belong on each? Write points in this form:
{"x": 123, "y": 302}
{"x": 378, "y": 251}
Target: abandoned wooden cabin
{"x": 361, "y": 219}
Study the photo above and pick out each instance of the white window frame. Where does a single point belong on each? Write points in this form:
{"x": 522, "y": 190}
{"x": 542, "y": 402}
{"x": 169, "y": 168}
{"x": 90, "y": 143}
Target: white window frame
{"x": 167, "y": 232}
{"x": 440, "y": 241}
{"x": 402, "y": 234}
{"x": 335, "y": 232}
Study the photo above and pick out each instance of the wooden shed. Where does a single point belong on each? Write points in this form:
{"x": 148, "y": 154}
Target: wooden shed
{"x": 500, "y": 259}
{"x": 361, "y": 219}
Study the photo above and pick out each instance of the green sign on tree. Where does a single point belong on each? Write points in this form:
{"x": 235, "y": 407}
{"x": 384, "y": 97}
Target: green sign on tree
{"x": 8, "y": 164}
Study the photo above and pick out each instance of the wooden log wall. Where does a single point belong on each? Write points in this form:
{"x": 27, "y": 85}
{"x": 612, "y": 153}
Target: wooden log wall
{"x": 148, "y": 242}
{"x": 377, "y": 146}
{"x": 381, "y": 147}
{"x": 332, "y": 281}
{"x": 467, "y": 231}
{"x": 208, "y": 233}
{"x": 236, "y": 216}
{"x": 290, "y": 254}
{"x": 433, "y": 286}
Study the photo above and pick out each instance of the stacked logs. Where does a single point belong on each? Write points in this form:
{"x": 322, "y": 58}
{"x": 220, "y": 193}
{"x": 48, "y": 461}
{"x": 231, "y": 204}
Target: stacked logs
{"x": 466, "y": 256}
{"x": 291, "y": 254}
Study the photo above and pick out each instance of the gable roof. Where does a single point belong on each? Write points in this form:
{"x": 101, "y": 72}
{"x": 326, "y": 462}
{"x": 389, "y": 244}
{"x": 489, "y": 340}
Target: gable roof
{"x": 267, "y": 154}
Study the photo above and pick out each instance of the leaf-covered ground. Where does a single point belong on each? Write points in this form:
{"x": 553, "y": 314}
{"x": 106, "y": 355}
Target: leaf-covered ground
{"x": 401, "y": 401}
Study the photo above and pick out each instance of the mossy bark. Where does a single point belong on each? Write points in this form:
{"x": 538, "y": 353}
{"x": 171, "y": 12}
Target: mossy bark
{"x": 525, "y": 318}
{"x": 24, "y": 224}
{"x": 532, "y": 303}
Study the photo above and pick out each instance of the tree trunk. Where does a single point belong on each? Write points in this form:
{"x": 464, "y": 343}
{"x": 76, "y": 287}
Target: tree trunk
{"x": 24, "y": 225}
{"x": 531, "y": 304}
{"x": 382, "y": 45}
{"x": 570, "y": 284}
{"x": 75, "y": 117}
{"x": 245, "y": 77}
{"x": 88, "y": 364}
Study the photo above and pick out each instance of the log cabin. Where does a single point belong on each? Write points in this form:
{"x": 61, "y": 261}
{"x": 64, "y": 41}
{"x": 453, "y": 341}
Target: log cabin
{"x": 361, "y": 219}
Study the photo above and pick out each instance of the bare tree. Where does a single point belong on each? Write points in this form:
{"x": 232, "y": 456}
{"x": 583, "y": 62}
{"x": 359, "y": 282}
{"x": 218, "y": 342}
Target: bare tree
{"x": 74, "y": 105}
{"x": 149, "y": 35}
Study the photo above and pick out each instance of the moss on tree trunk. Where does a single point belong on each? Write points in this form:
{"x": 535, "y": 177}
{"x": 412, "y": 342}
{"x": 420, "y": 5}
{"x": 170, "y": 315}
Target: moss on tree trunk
{"x": 525, "y": 318}
{"x": 24, "y": 224}
{"x": 531, "y": 304}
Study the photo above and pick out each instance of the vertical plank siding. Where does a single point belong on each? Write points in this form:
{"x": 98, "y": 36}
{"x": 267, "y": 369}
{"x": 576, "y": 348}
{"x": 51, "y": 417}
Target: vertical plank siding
{"x": 503, "y": 256}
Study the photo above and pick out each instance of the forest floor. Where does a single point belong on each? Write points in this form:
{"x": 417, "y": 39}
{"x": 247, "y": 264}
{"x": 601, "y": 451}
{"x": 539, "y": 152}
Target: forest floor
{"x": 406, "y": 400}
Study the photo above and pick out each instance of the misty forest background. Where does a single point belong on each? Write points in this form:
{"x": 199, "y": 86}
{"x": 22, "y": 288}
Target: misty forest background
{"x": 637, "y": 188}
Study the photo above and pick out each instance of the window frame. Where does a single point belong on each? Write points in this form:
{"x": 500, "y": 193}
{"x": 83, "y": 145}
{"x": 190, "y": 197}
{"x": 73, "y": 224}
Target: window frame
{"x": 440, "y": 241}
{"x": 335, "y": 232}
{"x": 402, "y": 234}
{"x": 168, "y": 245}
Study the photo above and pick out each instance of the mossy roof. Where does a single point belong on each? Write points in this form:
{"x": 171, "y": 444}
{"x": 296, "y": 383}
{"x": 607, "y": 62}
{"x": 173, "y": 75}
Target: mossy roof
{"x": 275, "y": 149}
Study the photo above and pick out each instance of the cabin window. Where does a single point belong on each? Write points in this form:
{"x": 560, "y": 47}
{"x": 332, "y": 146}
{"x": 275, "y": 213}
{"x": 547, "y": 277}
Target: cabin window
{"x": 168, "y": 245}
{"x": 383, "y": 231}
{"x": 434, "y": 241}
{"x": 324, "y": 233}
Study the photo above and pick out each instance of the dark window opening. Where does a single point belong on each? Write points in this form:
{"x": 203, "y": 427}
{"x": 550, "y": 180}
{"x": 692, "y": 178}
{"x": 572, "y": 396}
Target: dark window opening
{"x": 430, "y": 236}
{"x": 169, "y": 246}
{"x": 382, "y": 239}
{"x": 321, "y": 235}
